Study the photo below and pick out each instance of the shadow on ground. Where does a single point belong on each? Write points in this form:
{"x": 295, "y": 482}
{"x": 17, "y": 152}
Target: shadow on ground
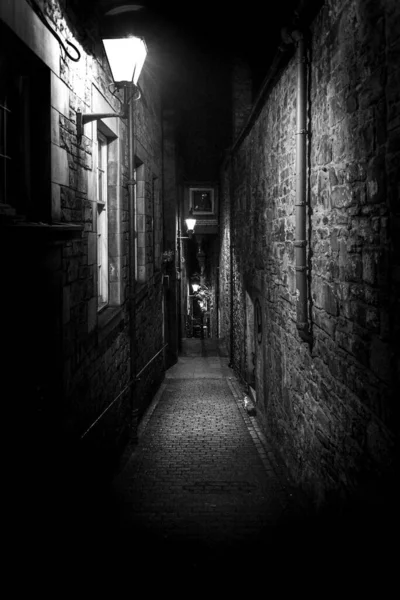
{"x": 83, "y": 540}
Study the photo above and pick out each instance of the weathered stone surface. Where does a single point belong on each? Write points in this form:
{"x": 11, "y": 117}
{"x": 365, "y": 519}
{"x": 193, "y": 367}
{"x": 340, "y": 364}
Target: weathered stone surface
{"x": 322, "y": 403}
{"x": 94, "y": 361}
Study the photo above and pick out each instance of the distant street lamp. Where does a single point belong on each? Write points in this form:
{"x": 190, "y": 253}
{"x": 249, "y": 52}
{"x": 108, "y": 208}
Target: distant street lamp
{"x": 190, "y": 223}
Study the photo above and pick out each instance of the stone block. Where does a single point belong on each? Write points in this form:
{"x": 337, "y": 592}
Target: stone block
{"x": 141, "y": 240}
{"x": 140, "y": 206}
{"x": 341, "y": 197}
{"x": 141, "y": 273}
{"x": 116, "y": 291}
{"x": 352, "y": 270}
{"x": 140, "y": 190}
{"x": 376, "y": 180}
{"x": 55, "y": 127}
{"x": 370, "y": 266}
{"x": 55, "y": 202}
{"x": 114, "y": 270}
{"x": 141, "y": 256}
{"x": 115, "y": 242}
{"x": 141, "y": 223}
{"x": 59, "y": 165}
{"x": 59, "y": 95}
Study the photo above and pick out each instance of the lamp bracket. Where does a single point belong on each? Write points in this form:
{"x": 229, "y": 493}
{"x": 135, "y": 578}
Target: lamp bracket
{"x": 83, "y": 118}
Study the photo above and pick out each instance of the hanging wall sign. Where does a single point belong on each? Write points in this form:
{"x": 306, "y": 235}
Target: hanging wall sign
{"x": 258, "y": 323}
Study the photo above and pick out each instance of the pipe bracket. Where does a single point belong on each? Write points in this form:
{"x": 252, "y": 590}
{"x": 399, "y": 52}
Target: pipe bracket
{"x": 300, "y": 243}
{"x": 302, "y": 132}
{"x": 302, "y": 269}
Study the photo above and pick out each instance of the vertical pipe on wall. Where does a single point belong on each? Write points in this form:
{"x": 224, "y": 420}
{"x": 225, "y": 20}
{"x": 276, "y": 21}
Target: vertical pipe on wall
{"x": 132, "y": 259}
{"x": 178, "y": 277}
{"x": 300, "y": 243}
{"x": 231, "y": 277}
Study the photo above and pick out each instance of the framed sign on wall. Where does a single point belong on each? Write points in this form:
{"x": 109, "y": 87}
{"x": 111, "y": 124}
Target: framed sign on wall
{"x": 202, "y": 201}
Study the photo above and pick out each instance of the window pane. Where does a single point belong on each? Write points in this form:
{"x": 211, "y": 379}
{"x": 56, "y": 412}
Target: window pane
{"x": 102, "y": 221}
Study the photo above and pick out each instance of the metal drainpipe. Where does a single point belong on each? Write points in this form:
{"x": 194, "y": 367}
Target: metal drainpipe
{"x": 178, "y": 278}
{"x": 132, "y": 274}
{"x": 300, "y": 243}
{"x": 231, "y": 362}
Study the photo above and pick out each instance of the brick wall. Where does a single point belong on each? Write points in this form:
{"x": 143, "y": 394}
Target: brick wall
{"x": 330, "y": 406}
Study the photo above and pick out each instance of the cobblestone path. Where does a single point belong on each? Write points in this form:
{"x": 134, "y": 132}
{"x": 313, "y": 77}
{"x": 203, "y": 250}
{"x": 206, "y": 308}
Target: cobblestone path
{"x": 201, "y": 489}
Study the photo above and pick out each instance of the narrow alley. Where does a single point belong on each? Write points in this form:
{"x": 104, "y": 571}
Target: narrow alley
{"x": 200, "y": 259}
{"x": 202, "y": 496}
{"x": 202, "y": 475}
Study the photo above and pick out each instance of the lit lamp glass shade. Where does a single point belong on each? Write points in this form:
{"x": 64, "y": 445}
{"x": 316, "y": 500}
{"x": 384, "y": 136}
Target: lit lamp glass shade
{"x": 190, "y": 224}
{"x": 126, "y": 57}
{"x": 195, "y": 287}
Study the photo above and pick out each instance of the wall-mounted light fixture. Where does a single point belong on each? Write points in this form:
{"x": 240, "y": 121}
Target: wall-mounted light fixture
{"x": 125, "y": 57}
{"x": 195, "y": 287}
{"x": 190, "y": 223}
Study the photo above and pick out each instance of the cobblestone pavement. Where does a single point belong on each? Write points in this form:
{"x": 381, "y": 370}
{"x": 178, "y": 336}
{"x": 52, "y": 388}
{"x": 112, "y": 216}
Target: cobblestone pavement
{"x": 200, "y": 499}
{"x": 202, "y": 489}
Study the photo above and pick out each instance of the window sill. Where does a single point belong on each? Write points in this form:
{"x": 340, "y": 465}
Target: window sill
{"x": 50, "y": 230}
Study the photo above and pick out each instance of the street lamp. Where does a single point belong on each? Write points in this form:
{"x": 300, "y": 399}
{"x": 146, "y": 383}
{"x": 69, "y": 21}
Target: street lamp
{"x": 190, "y": 223}
{"x": 125, "y": 57}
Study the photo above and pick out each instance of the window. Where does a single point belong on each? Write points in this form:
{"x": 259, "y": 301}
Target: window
{"x": 102, "y": 220}
{"x": 24, "y": 130}
{"x": 140, "y": 223}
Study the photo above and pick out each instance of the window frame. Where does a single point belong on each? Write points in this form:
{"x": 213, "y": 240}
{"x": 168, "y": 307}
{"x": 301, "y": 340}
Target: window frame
{"x": 25, "y": 81}
{"x": 102, "y": 232}
{"x": 140, "y": 222}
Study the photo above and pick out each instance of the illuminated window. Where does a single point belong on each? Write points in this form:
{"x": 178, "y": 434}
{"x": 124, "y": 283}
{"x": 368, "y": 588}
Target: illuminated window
{"x": 102, "y": 221}
{"x": 140, "y": 223}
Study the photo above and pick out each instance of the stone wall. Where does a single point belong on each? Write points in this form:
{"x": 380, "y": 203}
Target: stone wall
{"x": 224, "y": 299}
{"x": 95, "y": 359}
{"x": 330, "y": 405}
{"x": 241, "y": 95}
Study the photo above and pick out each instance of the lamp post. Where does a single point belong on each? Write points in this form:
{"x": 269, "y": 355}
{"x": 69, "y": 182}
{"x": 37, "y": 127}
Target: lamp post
{"x": 190, "y": 223}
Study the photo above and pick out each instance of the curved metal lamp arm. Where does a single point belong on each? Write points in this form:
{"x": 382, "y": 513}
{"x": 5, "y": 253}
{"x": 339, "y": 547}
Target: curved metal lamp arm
{"x": 83, "y": 118}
